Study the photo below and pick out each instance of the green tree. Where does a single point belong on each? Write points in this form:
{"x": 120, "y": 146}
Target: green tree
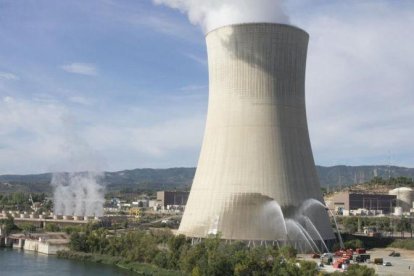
{"x": 354, "y": 244}
{"x": 403, "y": 225}
{"x": 28, "y": 227}
{"x": 360, "y": 270}
{"x": 288, "y": 252}
{"x": 51, "y": 227}
{"x": 78, "y": 242}
{"x": 351, "y": 224}
{"x": 7, "y": 224}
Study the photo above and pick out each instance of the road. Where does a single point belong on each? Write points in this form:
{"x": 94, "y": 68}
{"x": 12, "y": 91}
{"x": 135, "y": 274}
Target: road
{"x": 399, "y": 264}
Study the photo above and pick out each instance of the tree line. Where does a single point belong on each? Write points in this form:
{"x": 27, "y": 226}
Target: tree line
{"x": 210, "y": 256}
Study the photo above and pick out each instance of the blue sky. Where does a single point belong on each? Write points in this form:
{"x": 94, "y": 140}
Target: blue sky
{"x": 124, "y": 84}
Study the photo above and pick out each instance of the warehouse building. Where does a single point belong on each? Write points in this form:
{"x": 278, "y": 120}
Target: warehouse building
{"x": 172, "y": 198}
{"x": 345, "y": 203}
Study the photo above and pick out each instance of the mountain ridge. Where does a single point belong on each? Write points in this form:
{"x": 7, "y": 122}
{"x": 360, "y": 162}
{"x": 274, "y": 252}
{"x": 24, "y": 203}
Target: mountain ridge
{"x": 181, "y": 178}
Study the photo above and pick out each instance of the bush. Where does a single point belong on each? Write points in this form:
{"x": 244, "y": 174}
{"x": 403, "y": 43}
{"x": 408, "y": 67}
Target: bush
{"x": 51, "y": 227}
{"x": 403, "y": 243}
{"x": 161, "y": 260}
{"x": 72, "y": 229}
{"x": 354, "y": 244}
{"x": 308, "y": 268}
{"x": 7, "y": 224}
{"x": 28, "y": 227}
{"x": 288, "y": 252}
{"x": 360, "y": 270}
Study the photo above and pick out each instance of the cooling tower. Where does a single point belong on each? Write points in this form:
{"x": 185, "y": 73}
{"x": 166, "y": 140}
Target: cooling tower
{"x": 256, "y": 153}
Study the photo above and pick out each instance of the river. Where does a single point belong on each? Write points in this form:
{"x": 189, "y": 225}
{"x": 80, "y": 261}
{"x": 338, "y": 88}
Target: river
{"x": 21, "y": 263}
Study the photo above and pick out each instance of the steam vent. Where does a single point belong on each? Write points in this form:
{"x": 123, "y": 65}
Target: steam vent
{"x": 256, "y": 178}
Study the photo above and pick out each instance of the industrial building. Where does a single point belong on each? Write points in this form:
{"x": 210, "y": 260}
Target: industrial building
{"x": 172, "y": 198}
{"x": 256, "y": 158}
{"x": 346, "y": 203}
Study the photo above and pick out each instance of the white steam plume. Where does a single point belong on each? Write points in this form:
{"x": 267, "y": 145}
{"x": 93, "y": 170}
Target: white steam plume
{"x": 78, "y": 187}
{"x": 211, "y": 14}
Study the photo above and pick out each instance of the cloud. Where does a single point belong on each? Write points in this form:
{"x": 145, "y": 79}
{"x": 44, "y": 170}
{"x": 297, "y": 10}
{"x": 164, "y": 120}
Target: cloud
{"x": 80, "y": 100}
{"x": 158, "y": 141}
{"x": 197, "y": 59}
{"x": 194, "y": 87}
{"x": 139, "y": 15}
{"x": 359, "y": 83}
{"x": 34, "y": 135}
{"x": 30, "y": 134}
{"x": 8, "y": 76}
{"x": 80, "y": 68}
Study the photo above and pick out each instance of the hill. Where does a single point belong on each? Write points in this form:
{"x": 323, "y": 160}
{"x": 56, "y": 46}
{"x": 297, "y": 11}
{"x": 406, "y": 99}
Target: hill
{"x": 181, "y": 178}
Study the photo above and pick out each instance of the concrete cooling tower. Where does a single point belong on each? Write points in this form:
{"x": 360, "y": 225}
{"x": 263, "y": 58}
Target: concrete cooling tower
{"x": 256, "y": 178}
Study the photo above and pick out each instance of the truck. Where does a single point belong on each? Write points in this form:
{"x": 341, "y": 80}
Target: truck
{"x": 360, "y": 258}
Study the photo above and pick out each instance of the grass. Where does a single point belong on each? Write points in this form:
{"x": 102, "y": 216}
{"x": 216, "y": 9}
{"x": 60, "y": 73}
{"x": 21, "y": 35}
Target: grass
{"x": 139, "y": 268}
{"x": 403, "y": 243}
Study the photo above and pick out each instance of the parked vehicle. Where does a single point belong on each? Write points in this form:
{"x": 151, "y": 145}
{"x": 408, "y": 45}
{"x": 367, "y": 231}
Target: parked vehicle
{"x": 378, "y": 261}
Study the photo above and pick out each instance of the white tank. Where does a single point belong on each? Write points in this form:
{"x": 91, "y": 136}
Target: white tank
{"x": 398, "y": 211}
{"x": 405, "y": 197}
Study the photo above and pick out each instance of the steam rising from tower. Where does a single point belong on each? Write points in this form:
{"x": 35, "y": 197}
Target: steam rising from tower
{"x": 77, "y": 181}
{"x": 78, "y": 193}
{"x": 256, "y": 167}
{"x": 211, "y": 14}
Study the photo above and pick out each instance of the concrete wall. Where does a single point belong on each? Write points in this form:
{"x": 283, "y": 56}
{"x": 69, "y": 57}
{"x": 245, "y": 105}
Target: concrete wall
{"x": 256, "y": 145}
{"x": 51, "y": 249}
{"x": 340, "y": 199}
{"x": 44, "y": 247}
{"x": 31, "y": 245}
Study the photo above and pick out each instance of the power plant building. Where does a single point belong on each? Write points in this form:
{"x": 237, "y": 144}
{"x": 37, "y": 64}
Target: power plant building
{"x": 172, "y": 198}
{"x": 256, "y": 167}
{"x": 345, "y": 202}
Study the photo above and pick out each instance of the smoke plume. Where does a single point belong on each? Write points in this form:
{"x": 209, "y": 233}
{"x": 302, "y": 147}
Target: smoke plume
{"x": 211, "y": 14}
{"x": 78, "y": 185}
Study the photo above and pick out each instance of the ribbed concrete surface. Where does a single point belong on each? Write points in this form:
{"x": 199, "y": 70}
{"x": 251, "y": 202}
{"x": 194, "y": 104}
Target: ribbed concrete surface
{"x": 256, "y": 145}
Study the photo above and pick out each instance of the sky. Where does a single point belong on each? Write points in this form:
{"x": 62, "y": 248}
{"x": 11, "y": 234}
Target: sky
{"x": 123, "y": 84}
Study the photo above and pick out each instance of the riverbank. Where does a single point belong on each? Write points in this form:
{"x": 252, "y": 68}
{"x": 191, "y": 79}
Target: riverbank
{"x": 139, "y": 268}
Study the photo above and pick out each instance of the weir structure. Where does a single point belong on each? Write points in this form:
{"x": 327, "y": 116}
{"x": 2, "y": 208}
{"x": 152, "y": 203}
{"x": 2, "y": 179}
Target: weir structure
{"x": 256, "y": 178}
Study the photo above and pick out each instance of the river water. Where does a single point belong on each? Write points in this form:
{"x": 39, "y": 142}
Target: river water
{"x": 21, "y": 263}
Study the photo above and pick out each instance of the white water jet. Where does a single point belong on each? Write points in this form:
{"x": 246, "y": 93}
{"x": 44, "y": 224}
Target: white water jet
{"x": 308, "y": 222}
{"x": 309, "y": 204}
{"x": 309, "y": 237}
{"x": 298, "y": 230}
{"x": 273, "y": 212}
{"x": 296, "y": 235}
{"x": 341, "y": 243}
